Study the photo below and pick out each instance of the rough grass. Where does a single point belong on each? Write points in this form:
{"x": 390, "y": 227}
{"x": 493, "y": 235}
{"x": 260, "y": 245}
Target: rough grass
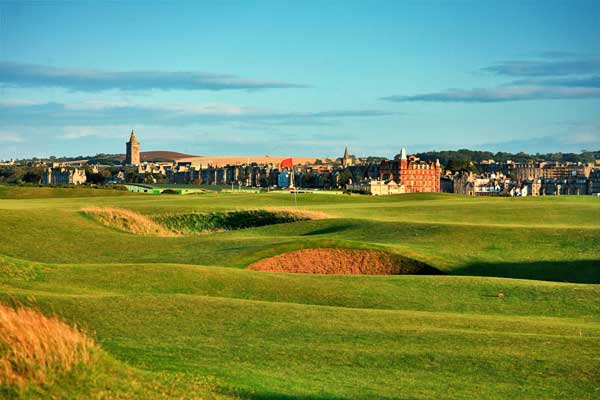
{"x": 342, "y": 262}
{"x": 36, "y": 350}
{"x": 45, "y": 358}
{"x": 127, "y": 221}
{"x": 300, "y": 213}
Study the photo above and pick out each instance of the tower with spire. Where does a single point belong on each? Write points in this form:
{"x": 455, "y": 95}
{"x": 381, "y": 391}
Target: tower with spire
{"x": 132, "y": 155}
{"x": 346, "y": 160}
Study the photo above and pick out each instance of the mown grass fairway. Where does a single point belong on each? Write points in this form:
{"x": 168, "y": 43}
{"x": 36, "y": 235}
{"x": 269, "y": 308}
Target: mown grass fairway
{"x": 175, "y": 311}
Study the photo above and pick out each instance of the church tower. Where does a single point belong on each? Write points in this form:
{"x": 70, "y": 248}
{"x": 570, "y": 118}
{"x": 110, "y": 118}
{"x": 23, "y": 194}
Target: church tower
{"x": 346, "y": 160}
{"x": 132, "y": 156}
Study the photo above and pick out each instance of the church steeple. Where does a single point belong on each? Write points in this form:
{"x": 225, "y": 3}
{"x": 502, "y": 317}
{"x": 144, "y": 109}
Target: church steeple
{"x": 132, "y": 138}
{"x": 346, "y": 160}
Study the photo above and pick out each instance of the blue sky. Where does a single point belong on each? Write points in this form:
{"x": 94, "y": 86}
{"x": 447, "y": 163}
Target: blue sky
{"x": 299, "y": 78}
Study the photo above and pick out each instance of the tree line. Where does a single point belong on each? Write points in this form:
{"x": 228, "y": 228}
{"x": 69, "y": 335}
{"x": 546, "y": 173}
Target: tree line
{"x": 465, "y": 156}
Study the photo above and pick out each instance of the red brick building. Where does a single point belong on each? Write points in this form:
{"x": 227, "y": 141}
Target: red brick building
{"x": 416, "y": 175}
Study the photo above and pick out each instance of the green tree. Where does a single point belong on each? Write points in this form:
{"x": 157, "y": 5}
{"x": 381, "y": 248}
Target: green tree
{"x": 344, "y": 178}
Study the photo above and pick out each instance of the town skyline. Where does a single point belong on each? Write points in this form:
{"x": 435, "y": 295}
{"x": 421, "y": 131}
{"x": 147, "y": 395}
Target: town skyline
{"x": 301, "y": 79}
{"x": 250, "y": 157}
{"x": 463, "y": 172}
{"x": 240, "y": 158}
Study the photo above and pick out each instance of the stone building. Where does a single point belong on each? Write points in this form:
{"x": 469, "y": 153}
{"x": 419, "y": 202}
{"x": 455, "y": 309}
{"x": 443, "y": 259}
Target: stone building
{"x": 482, "y": 185}
{"x": 132, "y": 154}
{"x": 492, "y": 185}
{"x": 534, "y": 187}
{"x": 463, "y": 183}
{"x": 527, "y": 171}
{"x": 594, "y": 182}
{"x": 414, "y": 174}
{"x": 565, "y": 170}
{"x": 376, "y": 187}
{"x": 558, "y": 187}
{"x": 63, "y": 176}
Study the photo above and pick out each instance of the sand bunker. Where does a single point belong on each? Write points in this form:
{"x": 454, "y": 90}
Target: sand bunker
{"x": 342, "y": 262}
{"x": 127, "y": 221}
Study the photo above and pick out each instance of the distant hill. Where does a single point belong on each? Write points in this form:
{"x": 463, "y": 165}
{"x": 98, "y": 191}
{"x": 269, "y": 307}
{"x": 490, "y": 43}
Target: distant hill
{"x": 117, "y": 159}
{"x": 162, "y": 155}
{"x": 168, "y": 156}
{"x": 220, "y": 161}
{"x": 158, "y": 155}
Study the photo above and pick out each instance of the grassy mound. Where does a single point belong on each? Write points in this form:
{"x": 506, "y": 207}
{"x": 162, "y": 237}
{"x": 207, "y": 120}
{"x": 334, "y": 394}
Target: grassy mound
{"x": 233, "y": 220}
{"x": 300, "y": 336}
{"x": 342, "y": 262}
{"x": 127, "y": 221}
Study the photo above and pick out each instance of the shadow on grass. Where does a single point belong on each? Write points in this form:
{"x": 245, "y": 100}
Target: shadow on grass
{"x": 578, "y": 271}
{"x": 328, "y": 230}
{"x": 282, "y": 396}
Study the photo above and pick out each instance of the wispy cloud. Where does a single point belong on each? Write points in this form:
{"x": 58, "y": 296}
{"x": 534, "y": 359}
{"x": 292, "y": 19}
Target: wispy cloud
{"x": 503, "y": 94}
{"x": 585, "y": 82}
{"x": 91, "y": 80}
{"x": 554, "y": 64}
{"x": 557, "y": 54}
{"x": 556, "y": 76}
{"x": 59, "y": 114}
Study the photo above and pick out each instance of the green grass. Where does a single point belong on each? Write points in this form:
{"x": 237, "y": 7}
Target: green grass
{"x": 180, "y": 310}
{"x": 107, "y": 378}
{"x": 33, "y": 192}
{"x": 216, "y": 221}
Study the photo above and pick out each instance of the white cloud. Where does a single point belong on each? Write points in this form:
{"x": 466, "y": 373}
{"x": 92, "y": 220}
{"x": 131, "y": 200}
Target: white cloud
{"x": 124, "y": 113}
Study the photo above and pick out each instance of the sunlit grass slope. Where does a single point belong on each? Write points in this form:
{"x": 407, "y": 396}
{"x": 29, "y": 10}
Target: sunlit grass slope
{"x": 284, "y": 336}
{"x": 33, "y": 192}
{"x": 547, "y": 238}
{"x": 175, "y": 310}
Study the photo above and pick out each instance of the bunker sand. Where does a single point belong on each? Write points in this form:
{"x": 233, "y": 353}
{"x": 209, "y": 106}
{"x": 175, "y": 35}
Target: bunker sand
{"x": 337, "y": 261}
